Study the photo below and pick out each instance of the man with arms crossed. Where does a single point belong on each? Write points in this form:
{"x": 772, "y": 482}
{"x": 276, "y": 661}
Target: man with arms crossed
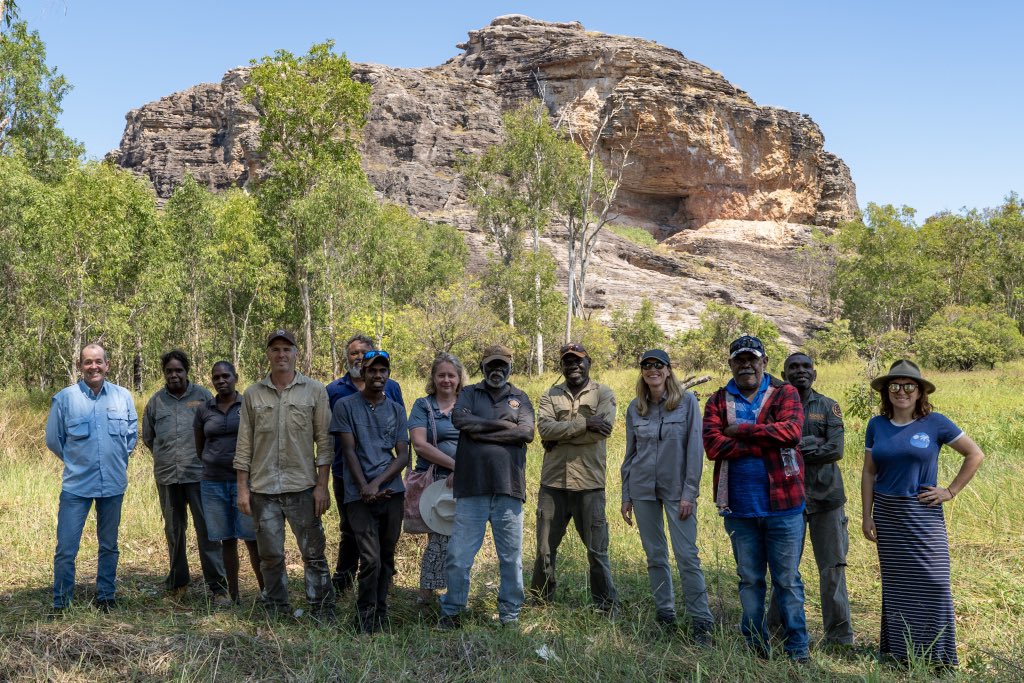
{"x": 752, "y": 429}
{"x": 495, "y": 422}
{"x": 574, "y": 420}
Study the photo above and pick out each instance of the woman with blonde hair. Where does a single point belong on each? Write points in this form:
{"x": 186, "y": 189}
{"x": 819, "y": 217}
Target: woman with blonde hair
{"x": 435, "y": 439}
{"x": 661, "y": 478}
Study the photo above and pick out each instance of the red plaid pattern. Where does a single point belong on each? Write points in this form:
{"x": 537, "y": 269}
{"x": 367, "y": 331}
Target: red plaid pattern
{"x": 779, "y": 425}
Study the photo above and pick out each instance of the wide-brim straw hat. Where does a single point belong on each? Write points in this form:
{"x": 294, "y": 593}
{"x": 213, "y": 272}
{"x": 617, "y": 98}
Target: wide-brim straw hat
{"x": 902, "y": 368}
{"x": 437, "y": 507}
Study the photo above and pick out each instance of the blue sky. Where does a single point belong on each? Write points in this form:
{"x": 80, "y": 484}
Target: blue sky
{"x": 923, "y": 100}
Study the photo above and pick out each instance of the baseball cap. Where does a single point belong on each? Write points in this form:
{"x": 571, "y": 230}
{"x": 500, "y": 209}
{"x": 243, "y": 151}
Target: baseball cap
{"x": 573, "y": 349}
{"x": 281, "y": 334}
{"x": 746, "y": 344}
{"x": 497, "y": 352}
{"x": 655, "y": 354}
{"x": 376, "y": 356}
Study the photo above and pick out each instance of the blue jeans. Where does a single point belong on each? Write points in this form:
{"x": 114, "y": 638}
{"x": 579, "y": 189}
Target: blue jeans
{"x": 224, "y": 521}
{"x": 71, "y": 516}
{"x": 471, "y": 516}
{"x": 775, "y": 544}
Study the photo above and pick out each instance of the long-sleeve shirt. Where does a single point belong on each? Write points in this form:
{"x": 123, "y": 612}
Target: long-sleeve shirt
{"x": 93, "y": 434}
{"x": 779, "y": 425}
{"x": 822, "y": 448}
{"x": 664, "y": 452}
{"x": 167, "y": 431}
{"x": 276, "y": 435}
{"x": 578, "y": 460}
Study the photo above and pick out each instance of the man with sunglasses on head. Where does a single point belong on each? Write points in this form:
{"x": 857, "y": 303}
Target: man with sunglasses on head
{"x": 574, "y": 420}
{"x": 348, "y": 384}
{"x": 752, "y": 430}
{"x": 281, "y": 478}
{"x": 822, "y": 448}
{"x": 495, "y": 422}
{"x": 371, "y": 432}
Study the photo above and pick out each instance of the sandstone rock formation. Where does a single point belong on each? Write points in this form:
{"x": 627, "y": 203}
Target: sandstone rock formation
{"x": 704, "y": 156}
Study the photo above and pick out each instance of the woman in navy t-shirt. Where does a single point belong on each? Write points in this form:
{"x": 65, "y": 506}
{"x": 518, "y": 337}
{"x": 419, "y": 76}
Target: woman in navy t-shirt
{"x": 903, "y": 514}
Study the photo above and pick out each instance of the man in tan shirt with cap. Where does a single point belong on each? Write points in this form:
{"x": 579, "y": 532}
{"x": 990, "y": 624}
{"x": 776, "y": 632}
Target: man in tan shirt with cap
{"x": 280, "y": 477}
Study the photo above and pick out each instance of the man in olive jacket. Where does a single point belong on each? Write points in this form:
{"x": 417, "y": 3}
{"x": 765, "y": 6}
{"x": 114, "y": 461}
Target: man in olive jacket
{"x": 574, "y": 420}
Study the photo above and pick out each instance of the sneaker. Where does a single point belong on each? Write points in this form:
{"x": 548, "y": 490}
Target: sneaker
{"x": 801, "y": 660}
{"x": 56, "y": 613}
{"x": 610, "y": 611}
{"x": 449, "y": 622}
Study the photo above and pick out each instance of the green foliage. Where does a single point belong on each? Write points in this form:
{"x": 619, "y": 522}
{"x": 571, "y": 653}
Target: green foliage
{"x": 706, "y": 347}
{"x": 635, "y": 334}
{"x": 30, "y": 104}
{"x": 310, "y": 113}
{"x": 963, "y": 337}
{"x": 833, "y": 343}
{"x": 635, "y": 235}
{"x": 882, "y": 349}
{"x": 598, "y": 340}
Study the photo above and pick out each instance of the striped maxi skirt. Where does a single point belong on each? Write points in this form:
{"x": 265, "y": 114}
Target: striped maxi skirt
{"x": 917, "y": 604}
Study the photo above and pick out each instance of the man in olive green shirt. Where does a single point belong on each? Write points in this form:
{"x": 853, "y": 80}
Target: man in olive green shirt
{"x": 574, "y": 420}
{"x": 281, "y": 478}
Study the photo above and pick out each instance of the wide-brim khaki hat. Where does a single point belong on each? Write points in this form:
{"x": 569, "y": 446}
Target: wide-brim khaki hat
{"x": 902, "y": 368}
{"x": 437, "y": 507}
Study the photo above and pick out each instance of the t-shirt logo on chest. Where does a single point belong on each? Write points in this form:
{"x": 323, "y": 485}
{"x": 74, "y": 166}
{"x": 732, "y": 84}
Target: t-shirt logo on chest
{"x": 920, "y": 440}
{"x": 514, "y": 404}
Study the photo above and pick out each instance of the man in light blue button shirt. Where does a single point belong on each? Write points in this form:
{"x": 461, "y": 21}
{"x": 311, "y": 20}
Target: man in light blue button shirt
{"x": 92, "y": 428}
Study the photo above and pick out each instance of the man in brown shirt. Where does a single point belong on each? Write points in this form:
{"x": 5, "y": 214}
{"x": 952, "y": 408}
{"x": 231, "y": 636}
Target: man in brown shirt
{"x": 281, "y": 478}
{"x": 574, "y": 420}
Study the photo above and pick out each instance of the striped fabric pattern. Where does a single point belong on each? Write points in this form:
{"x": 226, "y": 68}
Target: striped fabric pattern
{"x": 917, "y": 604}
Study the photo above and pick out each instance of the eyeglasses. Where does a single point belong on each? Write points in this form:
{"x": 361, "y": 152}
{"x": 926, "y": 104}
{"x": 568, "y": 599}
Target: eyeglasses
{"x": 908, "y": 388}
{"x": 370, "y": 355}
{"x": 652, "y": 365}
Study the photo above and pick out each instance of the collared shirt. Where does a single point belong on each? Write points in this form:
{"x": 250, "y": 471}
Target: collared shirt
{"x": 93, "y": 433}
{"x": 489, "y": 468}
{"x": 343, "y": 387}
{"x": 779, "y": 424}
{"x": 578, "y": 460}
{"x": 276, "y": 434}
{"x": 220, "y": 434}
{"x": 823, "y": 482}
{"x": 664, "y": 452}
{"x": 167, "y": 432}
{"x": 376, "y": 430}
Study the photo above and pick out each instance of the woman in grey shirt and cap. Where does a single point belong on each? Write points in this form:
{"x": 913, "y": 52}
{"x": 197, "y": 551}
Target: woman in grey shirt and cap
{"x": 661, "y": 478}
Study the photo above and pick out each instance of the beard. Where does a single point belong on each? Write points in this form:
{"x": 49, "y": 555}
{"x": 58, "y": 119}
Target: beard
{"x": 355, "y": 371}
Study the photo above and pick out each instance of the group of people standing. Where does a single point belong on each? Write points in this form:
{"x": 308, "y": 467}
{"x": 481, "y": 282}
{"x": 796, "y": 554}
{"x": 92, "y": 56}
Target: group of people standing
{"x": 244, "y": 465}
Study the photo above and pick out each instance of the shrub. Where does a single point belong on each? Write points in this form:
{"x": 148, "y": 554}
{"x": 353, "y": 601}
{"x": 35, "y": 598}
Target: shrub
{"x": 832, "y": 343}
{"x": 963, "y": 337}
{"x": 635, "y": 334}
{"x": 707, "y": 346}
{"x": 880, "y": 350}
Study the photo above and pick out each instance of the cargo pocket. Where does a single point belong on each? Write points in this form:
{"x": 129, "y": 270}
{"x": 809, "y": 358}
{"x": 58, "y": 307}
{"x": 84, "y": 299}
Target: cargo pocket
{"x": 78, "y": 429}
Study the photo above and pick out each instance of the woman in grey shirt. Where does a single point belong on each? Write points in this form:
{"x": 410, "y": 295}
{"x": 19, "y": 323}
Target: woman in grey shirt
{"x": 661, "y": 478}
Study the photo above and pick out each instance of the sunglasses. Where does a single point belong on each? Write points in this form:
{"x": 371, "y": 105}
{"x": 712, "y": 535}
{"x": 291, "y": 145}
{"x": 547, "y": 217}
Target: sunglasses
{"x": 652, "y": 365}
{"x": 370, "y": 355}
{"x": 908, "y": 388}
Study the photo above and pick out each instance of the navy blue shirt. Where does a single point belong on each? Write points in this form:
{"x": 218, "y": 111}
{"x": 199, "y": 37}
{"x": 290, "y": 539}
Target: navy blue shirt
{"x": 906, "y": 456}
{"x": 376, "y": 430}
{"x": 342, "y": 387}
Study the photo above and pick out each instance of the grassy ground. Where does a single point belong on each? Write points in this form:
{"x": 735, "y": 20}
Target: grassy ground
{"x": 154, "y": 638}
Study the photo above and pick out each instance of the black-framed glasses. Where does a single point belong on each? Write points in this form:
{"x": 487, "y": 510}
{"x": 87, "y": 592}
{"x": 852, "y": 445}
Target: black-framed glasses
{"x": 907, "y": 387}
{"x": 652, "y": 365}
{"x": 370, "y": 355}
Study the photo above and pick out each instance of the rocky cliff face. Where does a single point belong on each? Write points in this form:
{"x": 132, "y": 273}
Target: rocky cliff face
{"x": 704, "y": 155}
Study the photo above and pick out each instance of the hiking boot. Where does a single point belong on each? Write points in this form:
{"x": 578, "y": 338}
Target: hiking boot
{"x": 105, "y": 606}
{"x": 449, "y": 622}
{"x": 221, "y": 600}
{"x": 701, "y": 634}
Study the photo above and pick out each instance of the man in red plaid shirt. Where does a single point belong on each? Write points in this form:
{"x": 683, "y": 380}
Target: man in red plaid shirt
{"x": 752, "y": 428}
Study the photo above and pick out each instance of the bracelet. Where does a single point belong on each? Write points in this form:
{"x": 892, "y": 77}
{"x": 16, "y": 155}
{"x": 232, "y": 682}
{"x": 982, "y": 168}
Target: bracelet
{"x": 951, "y": 494}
